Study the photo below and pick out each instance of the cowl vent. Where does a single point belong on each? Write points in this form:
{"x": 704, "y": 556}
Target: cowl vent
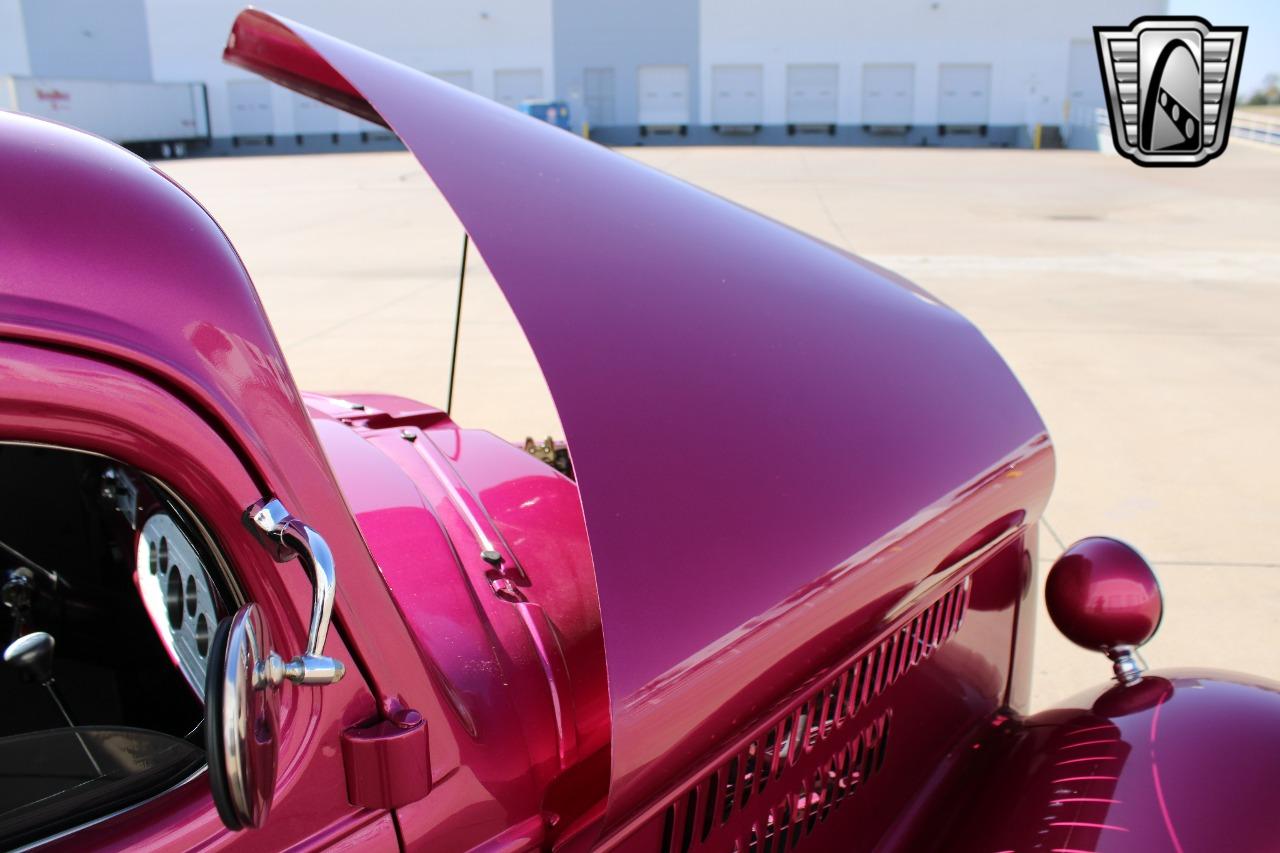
{"x": 811, "y": 758}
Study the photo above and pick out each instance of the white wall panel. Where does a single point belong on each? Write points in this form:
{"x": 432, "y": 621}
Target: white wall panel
{"x": 13, "y": 41}
{"x": 1034, "y": 68}
{"x": 87, "y": 39}
{"x": 187, "y": 36}
{"x": 1026, "y": 45}
{"x": 594, "y": 36}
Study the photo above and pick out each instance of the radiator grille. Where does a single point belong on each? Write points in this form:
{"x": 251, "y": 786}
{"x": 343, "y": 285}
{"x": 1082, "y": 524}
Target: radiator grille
{"x": 801, "y": 765}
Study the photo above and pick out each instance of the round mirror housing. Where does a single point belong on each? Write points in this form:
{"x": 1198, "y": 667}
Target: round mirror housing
{"x": 242, "y": 720}
{"x": 1102, "y": 595}
{"x": 244, "y": 674}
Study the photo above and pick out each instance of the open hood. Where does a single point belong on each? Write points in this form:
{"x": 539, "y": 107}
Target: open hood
{"x": 752, "y": 414}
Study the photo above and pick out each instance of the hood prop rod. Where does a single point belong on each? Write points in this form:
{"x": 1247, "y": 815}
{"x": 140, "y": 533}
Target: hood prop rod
{"x": 457, "y": 324}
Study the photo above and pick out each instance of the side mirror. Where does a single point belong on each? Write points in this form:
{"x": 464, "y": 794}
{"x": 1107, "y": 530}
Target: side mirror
{"x": 241, "y": 720}
{"x": 245, "y": 673}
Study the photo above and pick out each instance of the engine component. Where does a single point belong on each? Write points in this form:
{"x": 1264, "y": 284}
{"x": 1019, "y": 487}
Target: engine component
{"x": 554, "y": 453}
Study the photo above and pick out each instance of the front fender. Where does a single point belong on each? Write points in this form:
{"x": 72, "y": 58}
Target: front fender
{"x": 1183, "y": 760}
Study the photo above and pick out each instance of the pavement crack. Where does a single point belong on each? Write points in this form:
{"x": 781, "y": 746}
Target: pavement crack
{"x": 350, "y": 318}
{"x": 1052, "y": 532}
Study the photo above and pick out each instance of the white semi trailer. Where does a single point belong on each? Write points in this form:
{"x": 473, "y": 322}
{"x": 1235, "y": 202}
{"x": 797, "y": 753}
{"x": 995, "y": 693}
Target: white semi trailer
{"x": 155, "y": 119}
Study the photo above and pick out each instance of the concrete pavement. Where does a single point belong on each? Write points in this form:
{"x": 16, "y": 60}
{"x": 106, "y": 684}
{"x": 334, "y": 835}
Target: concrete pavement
{"x": 1140, "y": 307}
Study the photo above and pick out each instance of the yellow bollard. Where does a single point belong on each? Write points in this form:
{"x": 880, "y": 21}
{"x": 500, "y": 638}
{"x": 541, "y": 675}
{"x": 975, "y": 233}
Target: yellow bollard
{"x": 1035, "y": 137}
{"x": 586, "y": 129}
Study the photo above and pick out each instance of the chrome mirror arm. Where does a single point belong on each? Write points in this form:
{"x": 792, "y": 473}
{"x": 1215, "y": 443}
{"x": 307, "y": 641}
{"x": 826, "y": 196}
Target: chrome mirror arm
{"x": 287, "y": 537}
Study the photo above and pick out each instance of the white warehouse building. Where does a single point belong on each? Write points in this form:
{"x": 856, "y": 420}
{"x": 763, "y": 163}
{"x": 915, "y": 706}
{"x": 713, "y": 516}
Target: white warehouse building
{"x": 952, "y": 72}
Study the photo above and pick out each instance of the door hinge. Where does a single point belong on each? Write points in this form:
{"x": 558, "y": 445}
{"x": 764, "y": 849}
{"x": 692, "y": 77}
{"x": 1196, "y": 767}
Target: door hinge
{"x": 388, "y": 763}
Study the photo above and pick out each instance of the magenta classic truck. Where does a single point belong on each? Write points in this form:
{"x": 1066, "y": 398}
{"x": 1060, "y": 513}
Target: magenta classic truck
{"x": 777, "y": 594}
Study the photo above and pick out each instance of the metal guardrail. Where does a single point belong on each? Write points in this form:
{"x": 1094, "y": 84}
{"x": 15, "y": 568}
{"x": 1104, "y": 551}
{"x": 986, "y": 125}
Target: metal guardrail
{"x": 1256, "y": 127}
{"x": 1243, "y": 125}
{"x": 1102, "y": 126}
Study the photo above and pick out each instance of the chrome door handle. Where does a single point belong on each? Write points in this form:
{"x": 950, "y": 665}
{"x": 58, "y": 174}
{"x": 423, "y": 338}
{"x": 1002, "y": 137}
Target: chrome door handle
{"x": 286, "y": 537}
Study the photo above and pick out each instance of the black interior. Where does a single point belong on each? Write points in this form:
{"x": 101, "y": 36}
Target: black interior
{"x": 67, "y": 568}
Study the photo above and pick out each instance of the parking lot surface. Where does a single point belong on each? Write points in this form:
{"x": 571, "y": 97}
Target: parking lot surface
{"x": 1140, "y": 307}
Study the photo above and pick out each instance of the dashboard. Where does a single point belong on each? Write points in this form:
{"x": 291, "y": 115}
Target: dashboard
{"x": 178, "y": 595}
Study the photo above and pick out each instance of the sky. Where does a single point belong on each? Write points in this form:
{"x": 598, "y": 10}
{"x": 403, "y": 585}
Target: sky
{"x": 1262, "y": 45}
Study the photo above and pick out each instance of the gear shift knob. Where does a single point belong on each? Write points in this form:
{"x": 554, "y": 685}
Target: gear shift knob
{"x": 33, "y": 654}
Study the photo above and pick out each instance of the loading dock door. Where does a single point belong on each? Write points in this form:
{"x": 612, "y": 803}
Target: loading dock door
{"x": 888, "y": 95}
{"x": 664, "y": 95}
{"x": 597, "y": 84}
{"x": 250, "y": 104}
{"x": 964, "y": 95}
{"x": 811, "y": 94}
{"x": 514, "y": 86}
{"x": 736, "y": 95}
{"x": 310, "y": 117}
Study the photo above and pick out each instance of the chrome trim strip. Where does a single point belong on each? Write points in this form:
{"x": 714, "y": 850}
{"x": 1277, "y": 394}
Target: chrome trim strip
{"x": 488, "y": 552}
{"x": 34, "y": 845}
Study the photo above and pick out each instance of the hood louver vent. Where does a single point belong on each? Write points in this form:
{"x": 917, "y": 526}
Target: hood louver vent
{"x": 786, "y": 780}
